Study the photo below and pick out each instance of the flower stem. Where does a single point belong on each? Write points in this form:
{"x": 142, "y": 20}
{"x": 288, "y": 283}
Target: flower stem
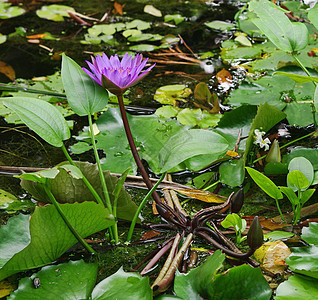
{"x": 87, "y": 183}
{"x": 100, "y": 171}
{"x": 280, "y": 212}
{"x": 68, "y": 224}
{"x": 134, "y": 150}
{"x": 114, "y": 231}
{"x": 141, "y": 205}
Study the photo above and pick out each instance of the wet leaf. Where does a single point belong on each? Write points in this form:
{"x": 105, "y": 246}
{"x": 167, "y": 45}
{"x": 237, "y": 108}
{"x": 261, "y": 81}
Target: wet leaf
{"x": 189, "y": 144}
{"x": 73, "y": 280}
{"x": 169, "y": 94}
{"x": 123, "y": 285}
{"x": 54, "y": 12}
{"x": 272, "y": 255}
{"x": 232, "y": 172}
{"x": 143, "y": 47}
{"x": 47, "y": 230}
{"x": 201, "y": 195}
{"x": 297, "y": 287}
{"x": 150, "y": 9}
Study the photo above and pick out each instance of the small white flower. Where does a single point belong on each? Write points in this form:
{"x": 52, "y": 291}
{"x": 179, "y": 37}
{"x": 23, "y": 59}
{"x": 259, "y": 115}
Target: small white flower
{"x": 259, "y": 140}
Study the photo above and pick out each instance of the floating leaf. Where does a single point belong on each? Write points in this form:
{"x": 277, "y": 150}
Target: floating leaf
{"x": 297, "y": 287}
{"x": 54, "y": 12}
{"x": 177, "y": 18}
{"x": 73, "y": 280}
{"x": 123, "y": 285}
{"x": 169, "y": 94}
{"x": 220, "y": 25}
{"x": 232, "y": 172}
{"x": 272, "y": 255}
{"x": 14, "y": 237}
{"x": 8, "y": 11}
{"x": 150, "y": 9}
{"x": 47, "y": 230}
{"x": 142, "y": 47}
{"x": 139, "y": 24}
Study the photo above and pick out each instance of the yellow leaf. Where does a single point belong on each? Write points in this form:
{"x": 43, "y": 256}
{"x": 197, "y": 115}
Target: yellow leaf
{"x": 273, "y": 255}
{"x": 201, "y": 195}
{"x": 231, "y": 153}
{"x": 5, "y": 288}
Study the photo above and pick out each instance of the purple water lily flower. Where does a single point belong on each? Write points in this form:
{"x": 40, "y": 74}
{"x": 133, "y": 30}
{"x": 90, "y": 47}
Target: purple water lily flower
{"x": 115, "y": 75}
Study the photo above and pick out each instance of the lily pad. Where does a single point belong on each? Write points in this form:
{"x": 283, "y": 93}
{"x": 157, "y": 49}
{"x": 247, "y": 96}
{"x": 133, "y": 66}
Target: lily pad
{"x": 8, "y": 11}
{"x": 54, "y": 12}
{"x": 139, "y": 24}
{"x": 47, "y": 230}
{"x": 143, "y": 47}
{"x": 123, "y": 285}
{"x": 297, "y": 287}
{"x": 73, "y": 280}
{"x": 309, "y": 153}
{"x": 220, "y": 25}
{"x": 177, "y": 18}
{"x": 169, "y": 94}
{"x": 14, "y": 237}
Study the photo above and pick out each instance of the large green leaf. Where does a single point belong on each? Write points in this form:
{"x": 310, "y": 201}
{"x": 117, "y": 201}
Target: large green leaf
{"x": 309, "y": 153}
{"x": 273, "y": 22}
{"x": 196, "y": 283}
{"x": 253, "y": 285}
{"x": 68, "y": 189}
{"x": 268, "y": 186}
{"x": 73, "y": 280}
{"x": 297, "y": 287}
{"x": 150, "y": 134}
{"x": 84, "y": 95}
{"x": 14, "y": 237}
{"x": 41, "y": 117}
{"x": 189, "y": 144}
{"x": 122, "y": 285}
{"x": 50, "y": 237}
{"x": 303, "y": 165}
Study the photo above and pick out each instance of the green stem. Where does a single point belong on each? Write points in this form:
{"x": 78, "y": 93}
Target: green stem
{"x": 211, "y": 185}
{"x": 286, "y": 145}
{"x": 114, "y": 231}
{"x": 68, "y": 224}
{"x": 100, "y": 171}
{"x": 280, "y": 212}
{"x": 141, "y": 205}
{"x": 87, "y": 183}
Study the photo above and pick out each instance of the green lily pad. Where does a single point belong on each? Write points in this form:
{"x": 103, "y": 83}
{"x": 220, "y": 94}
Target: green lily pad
{"x": 140, "y": 37}
{"x": 196, "y": 283}
{"x": 297, "y": 287}
{"x": 220, "y": 25}
{"x": 73, "y": 280}
{"x": 3, "y": 38}
{"x": 11, "y": 203}
{"x": 169, "y": 94}
{"x": 102, "y": 29}
{"x": 309, "y": 153}
{"x": 8, "y": 11}
{"x": 176, "y": 18}
{"x": 123, "y": 285}
{"x": 310, "y": 234}
{"x": 131, "y": 32}
{"x": 139, "y": 24}
{"x": 143, "y": 47}
{"x": 47, "y": 230}
{"x": 300, "y": 114}
{"x": 151, "y": 10}
{"x": 14, "y": 237}
{"x": 54, "y": 12}
{"x": 232, "y": 172}
{"x": 68, "y": 189}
